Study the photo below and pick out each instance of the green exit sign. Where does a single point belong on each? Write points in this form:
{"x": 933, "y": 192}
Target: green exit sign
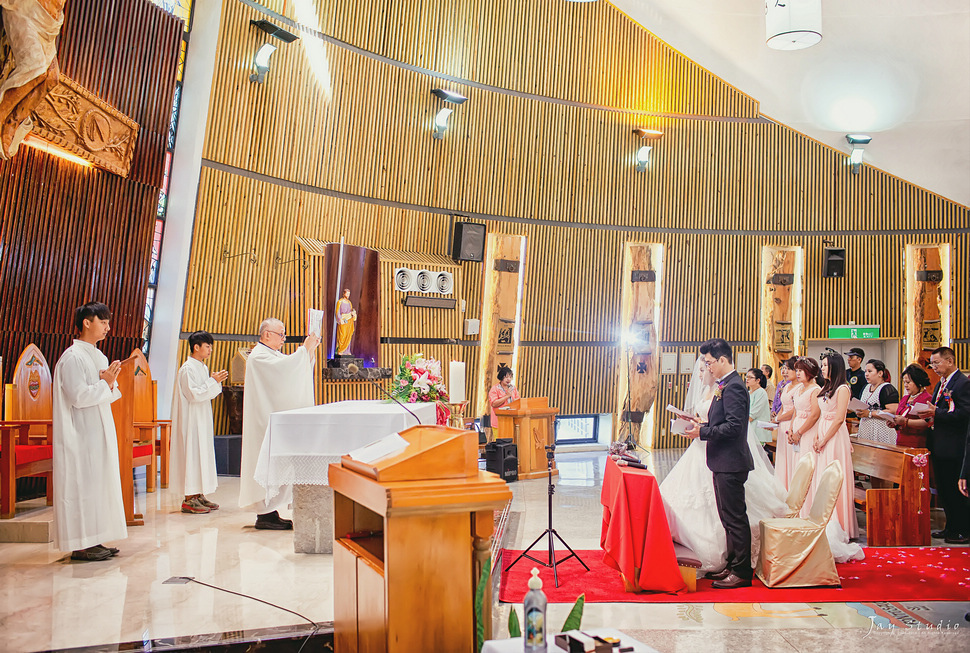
{"x": 853, "y": 331}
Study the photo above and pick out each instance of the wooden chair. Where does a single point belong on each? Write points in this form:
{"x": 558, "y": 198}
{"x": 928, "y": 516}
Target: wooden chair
{"x": 147, "y": 424}
{"x": 132, "y": 451}
{"x": 27, "y": 430}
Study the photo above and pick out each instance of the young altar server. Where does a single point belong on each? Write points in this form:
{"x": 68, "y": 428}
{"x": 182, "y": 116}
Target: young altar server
{"x": 274, "y": 382}
{"x": 88, "y": 506}
{"x": 193, "y": 465}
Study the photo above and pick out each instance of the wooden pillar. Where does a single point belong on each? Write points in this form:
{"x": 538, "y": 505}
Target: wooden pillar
{"x": 926, "y": 308}
{"x": 639, "y": 368}
{"x": 780, "y": 297}
{"x": 500, "y": 301}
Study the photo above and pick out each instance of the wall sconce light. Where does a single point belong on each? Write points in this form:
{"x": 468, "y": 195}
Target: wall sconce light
{"x": 643, "y": 152}
{"x": 858, "y": 143}
{"x": 441, "y": 118}
{"x": 441, "y": 123}
{"x": 261, "y": 60}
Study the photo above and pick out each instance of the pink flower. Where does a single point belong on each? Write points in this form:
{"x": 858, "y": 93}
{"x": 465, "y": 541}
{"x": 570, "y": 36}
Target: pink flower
{"x": 413, "y": 398}
{"x": 403, "y": 382}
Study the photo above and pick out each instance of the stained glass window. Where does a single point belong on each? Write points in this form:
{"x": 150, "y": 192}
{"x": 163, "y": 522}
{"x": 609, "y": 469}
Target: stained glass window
{"x": 181, "y": 9}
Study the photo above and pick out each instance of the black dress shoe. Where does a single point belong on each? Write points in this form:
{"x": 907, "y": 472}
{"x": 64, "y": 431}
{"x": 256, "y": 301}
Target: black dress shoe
{"x": 110, "y": 549}
{"x": 957, "y": 539}
{"x": 718, "y": 575}
{"x": 938, "y": 534}
{"x": 91, "y": 554}
{"x": 271, "y": 521}
{"x": 730, "y": 582}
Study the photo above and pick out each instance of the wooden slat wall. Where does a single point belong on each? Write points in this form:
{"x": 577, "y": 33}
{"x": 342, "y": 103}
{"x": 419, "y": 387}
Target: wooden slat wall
{"x": 68, "y": 234}
{"x": 518, "y": 46}
{"x": 716, "y": 193}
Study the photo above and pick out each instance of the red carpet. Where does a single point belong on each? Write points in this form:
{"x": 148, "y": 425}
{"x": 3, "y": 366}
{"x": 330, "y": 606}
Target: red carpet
{"x": 912, "y": 574}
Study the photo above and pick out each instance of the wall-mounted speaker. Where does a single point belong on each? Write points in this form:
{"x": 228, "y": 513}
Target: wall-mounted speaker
{"x": 469, "y": 242}
{"x": 834, "y": 263}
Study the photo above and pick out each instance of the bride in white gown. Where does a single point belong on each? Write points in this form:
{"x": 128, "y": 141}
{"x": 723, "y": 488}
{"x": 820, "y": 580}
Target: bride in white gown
{"x": 688, "y": 494}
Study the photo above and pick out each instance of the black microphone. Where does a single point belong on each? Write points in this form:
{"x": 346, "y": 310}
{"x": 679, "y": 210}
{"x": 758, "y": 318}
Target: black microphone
{"x": 353, "y": 369}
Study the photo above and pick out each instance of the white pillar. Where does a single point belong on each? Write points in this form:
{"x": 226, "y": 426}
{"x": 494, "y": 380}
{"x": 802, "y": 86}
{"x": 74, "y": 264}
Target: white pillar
{"x": 183, "y": 189}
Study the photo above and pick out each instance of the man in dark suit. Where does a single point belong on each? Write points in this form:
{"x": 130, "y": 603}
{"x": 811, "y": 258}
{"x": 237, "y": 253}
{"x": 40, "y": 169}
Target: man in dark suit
{"x": 729, "y": 458}
{"x": 950, "y": 419}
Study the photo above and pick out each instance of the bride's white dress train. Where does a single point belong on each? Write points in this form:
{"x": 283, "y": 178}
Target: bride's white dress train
{"x": 688, "y": 495}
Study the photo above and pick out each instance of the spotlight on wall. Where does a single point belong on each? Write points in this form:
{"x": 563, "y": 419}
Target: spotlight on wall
{"x": 448, "y": 96}
{"x": 643, "y": 152}
{"x": 441, "y": 118}
{"x": 858, "y": 143}
{"x": 261, "y": 60}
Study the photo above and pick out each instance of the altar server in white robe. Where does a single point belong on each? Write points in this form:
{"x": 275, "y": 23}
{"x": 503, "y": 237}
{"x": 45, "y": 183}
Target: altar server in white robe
{"x": 193, "y": 462}
{"x": 88, "y": 506}
{"x": 274, "y": 382}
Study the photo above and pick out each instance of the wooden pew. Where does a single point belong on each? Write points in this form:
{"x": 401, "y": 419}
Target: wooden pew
{"x": 147, "y": 424}
{"x": 898, "y": 516}
{"x": 27, "y": 428}
{"x": 132, "y": 452}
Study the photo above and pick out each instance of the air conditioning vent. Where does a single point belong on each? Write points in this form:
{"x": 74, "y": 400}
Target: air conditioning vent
{"x": 405, "y": 280}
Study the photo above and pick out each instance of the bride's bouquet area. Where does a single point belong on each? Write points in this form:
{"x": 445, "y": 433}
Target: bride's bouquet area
{"x": 419, "y": 379}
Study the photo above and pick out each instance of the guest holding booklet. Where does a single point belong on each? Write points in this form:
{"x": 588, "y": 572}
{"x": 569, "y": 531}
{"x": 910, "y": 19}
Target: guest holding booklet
{"x": 911, "y": 430}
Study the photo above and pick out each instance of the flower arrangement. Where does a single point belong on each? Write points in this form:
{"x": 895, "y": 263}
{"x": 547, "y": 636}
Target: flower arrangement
{"x": 419, "y": 379}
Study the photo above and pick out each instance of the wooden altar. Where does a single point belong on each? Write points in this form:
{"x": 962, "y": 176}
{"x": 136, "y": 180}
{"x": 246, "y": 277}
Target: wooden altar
{"x": 530, "y": 422}
{"x": 412, "y": 533}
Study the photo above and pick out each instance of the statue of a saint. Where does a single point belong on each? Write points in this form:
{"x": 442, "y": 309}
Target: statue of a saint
{"x": 30, "y": 29}
{"x": 346, "y": 316}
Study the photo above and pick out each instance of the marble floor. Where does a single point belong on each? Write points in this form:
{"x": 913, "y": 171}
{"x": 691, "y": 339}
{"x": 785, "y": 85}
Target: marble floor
{"x": 48, "y": 602}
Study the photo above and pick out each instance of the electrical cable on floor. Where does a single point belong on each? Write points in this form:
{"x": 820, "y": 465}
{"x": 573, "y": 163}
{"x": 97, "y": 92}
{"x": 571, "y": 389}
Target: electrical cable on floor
{"x": 181, "y": 580}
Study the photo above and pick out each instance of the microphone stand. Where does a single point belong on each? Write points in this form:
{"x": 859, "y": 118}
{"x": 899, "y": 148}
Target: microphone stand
{"x": 353, "y": 369}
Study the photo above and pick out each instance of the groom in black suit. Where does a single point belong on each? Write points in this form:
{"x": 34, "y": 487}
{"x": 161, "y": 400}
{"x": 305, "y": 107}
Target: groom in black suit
{"x": 729, "y": 458}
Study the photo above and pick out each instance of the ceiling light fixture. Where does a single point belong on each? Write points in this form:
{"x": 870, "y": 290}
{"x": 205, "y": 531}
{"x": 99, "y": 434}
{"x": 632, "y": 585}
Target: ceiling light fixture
{"x": 265, "y": 51}
{"x": 858, "y": 143}
{"x": 793, "y": 24}
{"x": 643, "y": 152}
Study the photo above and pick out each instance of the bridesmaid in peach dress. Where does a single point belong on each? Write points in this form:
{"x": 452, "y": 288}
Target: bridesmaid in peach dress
{"x": 784, "y": 454}
{"x": 832, "y": 440}
{"x": 803, "y": 425}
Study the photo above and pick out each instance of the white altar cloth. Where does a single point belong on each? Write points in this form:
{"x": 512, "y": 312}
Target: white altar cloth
{"x": 300, "y": 444}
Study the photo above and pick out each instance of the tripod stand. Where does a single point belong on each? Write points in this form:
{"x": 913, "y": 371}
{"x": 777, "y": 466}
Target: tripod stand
{"x": 549, "y": 532}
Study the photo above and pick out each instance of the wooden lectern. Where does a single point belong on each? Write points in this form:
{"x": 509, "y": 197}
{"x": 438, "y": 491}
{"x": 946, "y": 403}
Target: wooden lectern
{"x": 412, "y": 532}
{"x": 530, "y": 422}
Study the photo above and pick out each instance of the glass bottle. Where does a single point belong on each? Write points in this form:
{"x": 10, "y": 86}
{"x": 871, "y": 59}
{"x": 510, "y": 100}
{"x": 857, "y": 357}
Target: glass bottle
{"x": 534, "y": 606}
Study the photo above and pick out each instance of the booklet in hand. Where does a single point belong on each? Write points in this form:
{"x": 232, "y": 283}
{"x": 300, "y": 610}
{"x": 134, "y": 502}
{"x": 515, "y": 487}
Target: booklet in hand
{"x": 314, "y": 322}
{"x": 681, "y": 414}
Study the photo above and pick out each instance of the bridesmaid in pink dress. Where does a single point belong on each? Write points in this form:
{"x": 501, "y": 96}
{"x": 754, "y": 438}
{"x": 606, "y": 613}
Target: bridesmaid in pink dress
{"x": 804, "y": 424}
{"x": 784, "y": 454}
{"x": 832, "y": 440}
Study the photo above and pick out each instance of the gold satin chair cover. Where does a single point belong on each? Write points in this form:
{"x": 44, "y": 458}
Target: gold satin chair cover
{"x": 795, "y": 551}
{"x": 801, "y": 481}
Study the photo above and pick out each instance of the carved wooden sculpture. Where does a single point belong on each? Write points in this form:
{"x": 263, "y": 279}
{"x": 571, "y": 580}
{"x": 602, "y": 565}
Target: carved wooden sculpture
{"x": 28, "y": 64}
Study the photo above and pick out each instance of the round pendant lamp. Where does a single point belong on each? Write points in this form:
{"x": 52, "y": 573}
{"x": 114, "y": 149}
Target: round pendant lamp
{"x": 793, "y": 24}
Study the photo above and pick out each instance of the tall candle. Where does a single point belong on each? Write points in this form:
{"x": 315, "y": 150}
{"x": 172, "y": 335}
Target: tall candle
{"x": 456, "y": 382}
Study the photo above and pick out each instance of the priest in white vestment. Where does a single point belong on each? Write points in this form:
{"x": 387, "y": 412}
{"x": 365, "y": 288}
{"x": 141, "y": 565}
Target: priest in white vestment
{"x": 274, "y": 382}
{"x": 192, "y": 470}
{"x": 88, "y": 505}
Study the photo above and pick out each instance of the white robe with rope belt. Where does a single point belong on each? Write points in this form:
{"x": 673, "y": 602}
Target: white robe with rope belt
{"x": 88, "y": 506}
{"x": 274, "y": 382}
{"x": 193, "y": 465}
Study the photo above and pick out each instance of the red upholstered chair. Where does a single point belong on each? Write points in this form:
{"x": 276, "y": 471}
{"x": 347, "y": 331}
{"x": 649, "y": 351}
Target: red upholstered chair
{"x": 27, "y": 429}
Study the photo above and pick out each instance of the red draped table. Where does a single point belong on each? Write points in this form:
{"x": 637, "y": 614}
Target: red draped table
{"x": 635, "y": 538}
